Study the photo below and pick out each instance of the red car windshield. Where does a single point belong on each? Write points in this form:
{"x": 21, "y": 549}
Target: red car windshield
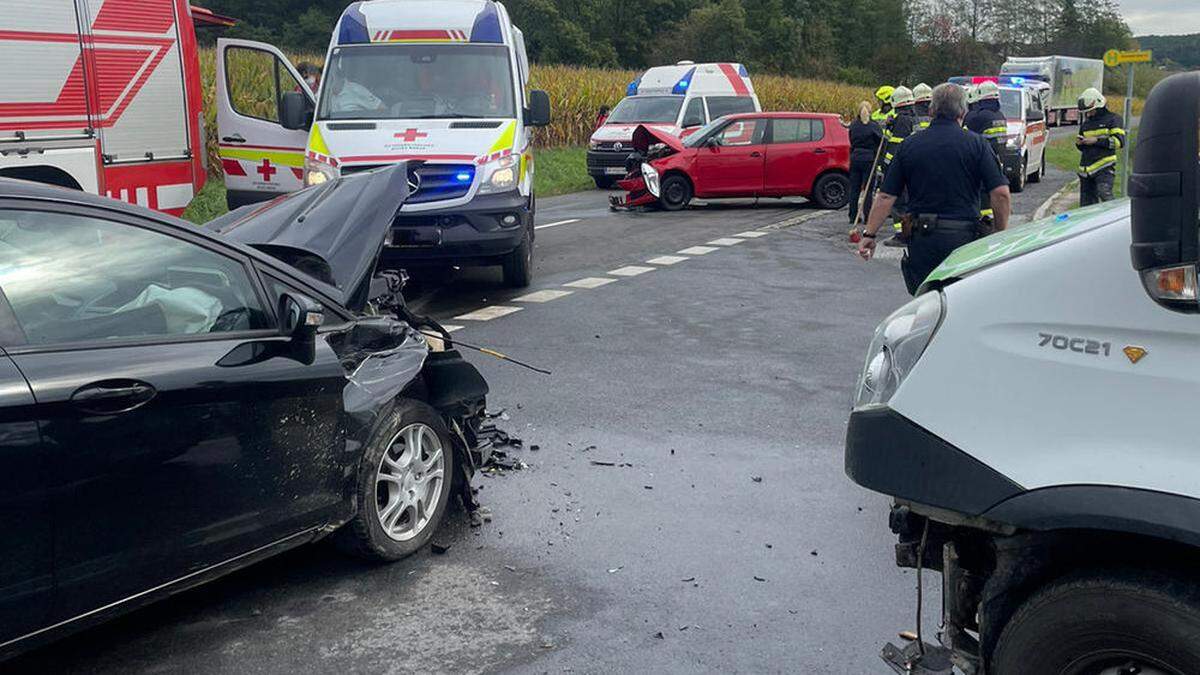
{"x": 647, "y": 110}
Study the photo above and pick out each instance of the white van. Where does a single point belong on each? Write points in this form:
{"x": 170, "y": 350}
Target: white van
{"x": 442, "y": 85}
{"x": 679, "y": 99}
{"x": 1031, "y": 413}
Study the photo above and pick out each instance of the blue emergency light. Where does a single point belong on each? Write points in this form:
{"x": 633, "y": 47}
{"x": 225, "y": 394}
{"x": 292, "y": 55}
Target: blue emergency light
{"x": 463, "y": 177}
{"x": 632, "y": 89}
{"x": 681, "y": 86}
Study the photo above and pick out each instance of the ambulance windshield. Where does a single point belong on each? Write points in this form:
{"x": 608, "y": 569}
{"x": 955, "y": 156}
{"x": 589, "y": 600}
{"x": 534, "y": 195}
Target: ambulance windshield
{"x": 647, "y": 109}
{"x": 1010, "y": 103}
{"x": 418, "y": 81}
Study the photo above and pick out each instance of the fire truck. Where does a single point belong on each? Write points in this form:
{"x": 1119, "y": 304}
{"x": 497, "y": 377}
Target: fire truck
{"x": 104, "y": 96}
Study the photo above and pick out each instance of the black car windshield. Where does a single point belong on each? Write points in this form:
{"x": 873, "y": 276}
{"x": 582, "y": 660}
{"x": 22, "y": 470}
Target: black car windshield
{"x": 418, "y": 82}
{"x": 647, "y": 109}
{"x": 1010, "y": 103}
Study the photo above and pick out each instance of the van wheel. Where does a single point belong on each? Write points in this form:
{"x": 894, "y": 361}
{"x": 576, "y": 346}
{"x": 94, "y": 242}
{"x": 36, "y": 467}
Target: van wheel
{"x": 1113, "y": 623}
{"x": 518, "y": 265}
{"x": 404, "y": 485}
{"x": 1017, "y": 184}
{"x": 831, "y": 191}
{"x": 676, "y": 192}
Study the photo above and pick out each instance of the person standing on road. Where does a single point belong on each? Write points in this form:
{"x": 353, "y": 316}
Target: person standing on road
{"x": 989, "y": 122}
{"x": 865, "y": 139}
{"x": 921, "y": 95}
{"x": 972, "y": 98}
{"x": 884, "y": 96}
{"x": 942, "y": 169}
{"x": 899, "y": 128}
{"x": 1101, "y": 135}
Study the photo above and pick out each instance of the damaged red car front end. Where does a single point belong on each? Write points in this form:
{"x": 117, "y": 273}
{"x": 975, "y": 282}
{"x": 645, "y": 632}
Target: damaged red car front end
{"x": 650, "y": 146}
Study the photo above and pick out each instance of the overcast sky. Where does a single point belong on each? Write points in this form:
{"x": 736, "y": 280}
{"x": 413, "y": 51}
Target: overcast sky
{"x": 1162, "y": 17}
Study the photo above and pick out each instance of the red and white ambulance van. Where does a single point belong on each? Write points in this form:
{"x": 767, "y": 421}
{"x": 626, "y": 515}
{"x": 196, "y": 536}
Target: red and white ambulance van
{"x": 678, "y": 99}
{"x": 103, "y": 96}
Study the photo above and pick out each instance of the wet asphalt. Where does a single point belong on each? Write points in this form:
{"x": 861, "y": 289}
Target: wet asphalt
{"x": 686, "y": 508}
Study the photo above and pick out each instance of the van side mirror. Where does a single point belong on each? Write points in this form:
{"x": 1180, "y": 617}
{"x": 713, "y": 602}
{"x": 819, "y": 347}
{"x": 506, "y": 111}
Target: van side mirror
{"x": 295, "y": 111}
{"x": 538, "y": 113}
{"x": 1164, "y": 190}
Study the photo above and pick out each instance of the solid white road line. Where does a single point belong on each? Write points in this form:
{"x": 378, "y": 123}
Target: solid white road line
{"x": 667, "y": 259}
{"x": 698, "y": 250}
{"x": 631, "y": 271}
{"x": 725, "y": 241}
{"x": 450, "y": 328}
{"x": 543, "y": 296}
{"x": 488, "y": 313}
{"x": 751, "y": 234}
{"x": 561, "y": 222}
{"x": 590, "y": 282}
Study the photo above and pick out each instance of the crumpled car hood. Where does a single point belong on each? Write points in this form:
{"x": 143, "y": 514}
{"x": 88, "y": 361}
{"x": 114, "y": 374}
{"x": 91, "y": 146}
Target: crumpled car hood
{"x": 644, "y": 137}
{"x": 333, "y": 232}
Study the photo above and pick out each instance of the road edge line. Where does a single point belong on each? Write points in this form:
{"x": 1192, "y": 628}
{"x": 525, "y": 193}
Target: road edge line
{"x": 1044, "y": 210}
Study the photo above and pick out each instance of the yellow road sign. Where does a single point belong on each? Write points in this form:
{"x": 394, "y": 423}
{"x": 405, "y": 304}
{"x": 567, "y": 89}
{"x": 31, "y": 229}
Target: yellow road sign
{"x": 1116, "y": 57}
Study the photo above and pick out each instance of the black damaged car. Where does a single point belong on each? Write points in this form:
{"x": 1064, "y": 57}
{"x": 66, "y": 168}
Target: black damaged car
{"x": 177, "y": 402}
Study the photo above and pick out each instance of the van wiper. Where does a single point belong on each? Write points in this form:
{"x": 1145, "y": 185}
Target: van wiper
{"x": 449, "y": 116}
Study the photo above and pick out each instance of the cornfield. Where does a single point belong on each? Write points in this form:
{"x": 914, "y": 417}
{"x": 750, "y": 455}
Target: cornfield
{"x": 576, "y": 95}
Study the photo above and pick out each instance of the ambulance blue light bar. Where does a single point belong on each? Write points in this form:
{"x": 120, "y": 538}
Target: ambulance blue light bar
{"x": 632, "y": 89}
{"x": 684, "y": 82}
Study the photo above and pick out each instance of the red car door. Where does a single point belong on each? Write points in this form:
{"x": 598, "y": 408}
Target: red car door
{"x": 795, "y": 156}
{"x": 732, "y": 164}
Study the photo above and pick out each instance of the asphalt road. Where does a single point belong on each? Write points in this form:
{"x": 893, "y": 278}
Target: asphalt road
{"x": 725, "y": 538}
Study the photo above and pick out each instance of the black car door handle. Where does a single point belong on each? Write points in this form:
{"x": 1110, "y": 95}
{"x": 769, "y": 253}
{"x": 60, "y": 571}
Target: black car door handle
{"x": 113, "y": 396}
{"x": 236, "y": 138}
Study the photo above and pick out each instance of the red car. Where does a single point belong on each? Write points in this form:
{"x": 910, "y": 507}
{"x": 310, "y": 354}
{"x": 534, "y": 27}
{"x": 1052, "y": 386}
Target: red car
{"x": 747, "y": 155}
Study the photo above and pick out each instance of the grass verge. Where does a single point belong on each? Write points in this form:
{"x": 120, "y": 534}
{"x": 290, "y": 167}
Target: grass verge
{"x": 559, "y": 171}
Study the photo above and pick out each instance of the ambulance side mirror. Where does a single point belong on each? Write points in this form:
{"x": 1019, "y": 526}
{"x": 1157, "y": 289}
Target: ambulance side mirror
{"x": 295, "y": 111}
{"x": 538, "y": 113}
{"x": 1164, "y": 190}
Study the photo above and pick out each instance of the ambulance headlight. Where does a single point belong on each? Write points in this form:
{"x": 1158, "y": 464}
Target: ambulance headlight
{"x": 316, "y": 172}
{"x": 898, "y": 343}
{"x": 653, "y": 183}
{"x": 500, "y": 175}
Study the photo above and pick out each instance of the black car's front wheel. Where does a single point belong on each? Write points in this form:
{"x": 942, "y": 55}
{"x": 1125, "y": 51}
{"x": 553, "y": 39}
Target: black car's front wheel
{"x": 404, "y": 485}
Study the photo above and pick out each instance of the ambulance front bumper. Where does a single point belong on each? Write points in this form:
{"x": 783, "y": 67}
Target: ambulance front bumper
{"x": 476, "y": 233}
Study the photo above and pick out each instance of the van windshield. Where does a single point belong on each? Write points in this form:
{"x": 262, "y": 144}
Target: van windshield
{"x": 418, "y": 82}
{"x": 647, "y": 109}
{"x": 1010, "y": 104}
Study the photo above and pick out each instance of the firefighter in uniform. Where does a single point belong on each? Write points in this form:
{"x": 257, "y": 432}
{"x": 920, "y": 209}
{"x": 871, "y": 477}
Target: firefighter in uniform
{"x": 942, "y": 169}
{"x": 884, "y": 112}
{"x": 989, "y": 122}
{"x": 900, "y": 127}
{"x": 1101, "y": 135}
{"x": 972, "y": 98}
{"x": 921, "y": 95}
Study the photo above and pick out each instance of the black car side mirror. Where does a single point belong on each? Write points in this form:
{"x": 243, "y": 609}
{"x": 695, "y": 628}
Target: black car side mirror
{"x": 300, "y": 317}
{"x": 538, "y": 113}
{"x": 295, "y": 111}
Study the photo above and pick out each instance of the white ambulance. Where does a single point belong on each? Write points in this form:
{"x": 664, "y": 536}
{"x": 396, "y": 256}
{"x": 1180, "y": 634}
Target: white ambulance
{"x": 104, "y": 96}
{"x": 679, "y": 99}
{"x": 441, "y": 85}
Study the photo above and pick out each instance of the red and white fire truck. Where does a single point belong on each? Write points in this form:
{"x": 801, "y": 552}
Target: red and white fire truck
{"x": 104, "y": 96}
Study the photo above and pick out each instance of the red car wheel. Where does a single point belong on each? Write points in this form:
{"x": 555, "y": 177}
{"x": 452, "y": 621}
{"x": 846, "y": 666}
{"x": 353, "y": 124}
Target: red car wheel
{"x": 676, "y": 192}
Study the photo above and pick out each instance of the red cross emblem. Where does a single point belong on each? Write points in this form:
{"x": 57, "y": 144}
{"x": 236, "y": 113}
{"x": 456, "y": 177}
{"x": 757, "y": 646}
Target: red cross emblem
{"x": 411, "y": 135}
{"x": 266, "y": 170}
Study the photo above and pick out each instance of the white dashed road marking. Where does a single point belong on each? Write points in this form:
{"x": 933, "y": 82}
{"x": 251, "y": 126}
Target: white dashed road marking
{"x": 590, "y": 282}
{"x": 698, "y": 250}
{"x": 561, "y": 222}
{"x": 667, "y": 259}
{"x": 752, "y": 234}
{"x": 631, "y": 271}
{"x": 725, "y": 241}
{"x": 543, "y": 296}
{"x": 488, "y": 313}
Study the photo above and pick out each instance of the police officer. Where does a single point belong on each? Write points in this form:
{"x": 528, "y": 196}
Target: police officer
{"x": 942, "y": 169}
{"x": 884, "y": 112}
{"x": 921, "y": 95}
{"x": 899, "y": 128}
{"x": 1101, "y": 135}
{"x": 989, "y": 122}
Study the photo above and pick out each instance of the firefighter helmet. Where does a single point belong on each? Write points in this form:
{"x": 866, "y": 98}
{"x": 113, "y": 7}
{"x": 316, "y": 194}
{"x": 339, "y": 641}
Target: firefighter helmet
{"x": 987, "y": 91}
{"x": 972, "y": 94}
{"x": 922, "y": 93}
{"x": 1091, "y": 100}
{"x": 902, "y": 96}
{"x": 884, "y": 93}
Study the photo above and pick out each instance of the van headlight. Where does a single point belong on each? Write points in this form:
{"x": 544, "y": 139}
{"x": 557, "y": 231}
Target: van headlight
{"x": 316, "y": 172}
{"x": 500, "y": 175}
{"x": 650, "y": 174}
{"x": 898, "y": 343}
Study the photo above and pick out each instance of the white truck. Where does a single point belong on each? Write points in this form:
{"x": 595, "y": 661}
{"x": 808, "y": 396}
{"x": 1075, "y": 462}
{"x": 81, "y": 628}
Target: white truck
{"x": 1030, "y": 413}
{"x": 440, "y": 85}
{"x": 1068, "y": 77}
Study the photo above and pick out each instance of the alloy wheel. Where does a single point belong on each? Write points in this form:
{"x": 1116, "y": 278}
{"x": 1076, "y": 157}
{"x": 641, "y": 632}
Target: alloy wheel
{"x": 409, "y": 481}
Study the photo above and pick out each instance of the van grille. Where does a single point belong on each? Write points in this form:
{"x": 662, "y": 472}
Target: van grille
{"x": 438, "y": 182}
